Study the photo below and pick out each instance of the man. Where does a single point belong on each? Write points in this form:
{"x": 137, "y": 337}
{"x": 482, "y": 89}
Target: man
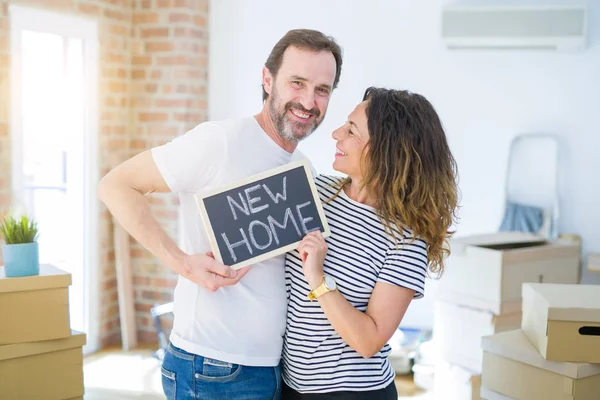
{"x": 227, "y": 334}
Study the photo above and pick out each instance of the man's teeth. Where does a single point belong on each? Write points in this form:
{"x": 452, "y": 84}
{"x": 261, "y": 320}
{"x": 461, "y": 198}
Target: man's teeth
{"x": 300, "y": 114}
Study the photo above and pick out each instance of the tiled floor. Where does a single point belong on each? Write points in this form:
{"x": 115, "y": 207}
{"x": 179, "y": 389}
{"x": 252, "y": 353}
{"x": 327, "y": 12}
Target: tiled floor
{"x": 117, "y": 375}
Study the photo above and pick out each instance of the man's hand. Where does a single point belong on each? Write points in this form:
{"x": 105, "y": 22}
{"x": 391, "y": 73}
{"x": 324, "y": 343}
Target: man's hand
{"x": 207, "y": 272}
{"x": 122, "y": 191}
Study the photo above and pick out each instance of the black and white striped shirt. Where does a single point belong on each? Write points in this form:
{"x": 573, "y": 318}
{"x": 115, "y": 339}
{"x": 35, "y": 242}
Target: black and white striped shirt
{"x": 360, "y": 254}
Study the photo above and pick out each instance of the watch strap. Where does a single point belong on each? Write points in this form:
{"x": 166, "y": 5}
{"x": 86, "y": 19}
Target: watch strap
{"x": 318, "y": 291}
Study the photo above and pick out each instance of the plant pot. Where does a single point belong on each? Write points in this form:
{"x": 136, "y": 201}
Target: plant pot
{"x": 21, "y": 259}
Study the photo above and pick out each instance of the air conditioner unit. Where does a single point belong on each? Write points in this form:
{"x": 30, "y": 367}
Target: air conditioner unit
{"x": 551, "y": 27}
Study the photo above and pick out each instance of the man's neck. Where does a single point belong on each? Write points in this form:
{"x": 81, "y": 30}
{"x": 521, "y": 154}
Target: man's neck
{"x": 266, "y": 123}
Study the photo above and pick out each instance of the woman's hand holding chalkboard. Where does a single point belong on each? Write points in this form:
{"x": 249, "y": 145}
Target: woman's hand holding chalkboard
{"x": 313, "y": 249}
{"x": 207, "y": 272}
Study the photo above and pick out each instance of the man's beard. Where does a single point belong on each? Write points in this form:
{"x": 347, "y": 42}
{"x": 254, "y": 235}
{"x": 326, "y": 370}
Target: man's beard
{"x": 292, "y": 131}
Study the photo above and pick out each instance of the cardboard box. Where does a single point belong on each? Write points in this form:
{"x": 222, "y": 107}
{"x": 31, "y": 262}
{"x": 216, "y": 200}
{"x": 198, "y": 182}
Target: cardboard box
{"x": 487, "y": 394}
{"x": 455, "y": 383}
{"x": 458, "y": 331}
{"x": 563, "y": 321}
{"x": 49, "y": 370}
{"x": 487, "y": 271}
{"x": 594, "y": 262}
{"x": 423, "y": 376}
{"x": 34, "y": 308}
{"x": 512, "y": 367}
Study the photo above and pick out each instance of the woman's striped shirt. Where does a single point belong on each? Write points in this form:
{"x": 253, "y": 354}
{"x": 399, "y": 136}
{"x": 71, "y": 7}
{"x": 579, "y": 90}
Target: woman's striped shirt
{"x": 360, "y": 254}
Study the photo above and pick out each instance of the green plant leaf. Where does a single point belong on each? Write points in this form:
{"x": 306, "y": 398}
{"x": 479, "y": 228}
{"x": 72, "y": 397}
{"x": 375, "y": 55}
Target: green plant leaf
{"x": 18, "y": 230}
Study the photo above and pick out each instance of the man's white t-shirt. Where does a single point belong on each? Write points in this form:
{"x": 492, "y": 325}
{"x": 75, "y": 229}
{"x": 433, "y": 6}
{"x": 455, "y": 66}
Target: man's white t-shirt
{"x": 241, "y": 324}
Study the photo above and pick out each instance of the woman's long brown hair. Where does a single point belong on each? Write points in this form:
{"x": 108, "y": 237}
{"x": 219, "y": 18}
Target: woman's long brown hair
{"x": 409, "y": 170}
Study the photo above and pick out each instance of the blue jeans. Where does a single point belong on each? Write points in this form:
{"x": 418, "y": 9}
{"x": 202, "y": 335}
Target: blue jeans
{"x": 189, "y": 376}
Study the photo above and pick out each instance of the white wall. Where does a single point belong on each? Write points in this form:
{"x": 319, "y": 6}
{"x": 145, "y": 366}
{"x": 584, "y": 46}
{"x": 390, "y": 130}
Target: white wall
{"x": 484, "y": 98}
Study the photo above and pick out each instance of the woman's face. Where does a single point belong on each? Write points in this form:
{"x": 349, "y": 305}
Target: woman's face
{"x": 352, "y": 139}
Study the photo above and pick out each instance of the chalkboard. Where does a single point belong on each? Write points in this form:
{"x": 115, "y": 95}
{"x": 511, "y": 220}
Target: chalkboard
{"x": 262, "y": 216}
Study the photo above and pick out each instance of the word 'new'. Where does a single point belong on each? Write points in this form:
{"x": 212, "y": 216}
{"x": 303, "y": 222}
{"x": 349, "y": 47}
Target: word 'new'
{"x": 250, "y": 203}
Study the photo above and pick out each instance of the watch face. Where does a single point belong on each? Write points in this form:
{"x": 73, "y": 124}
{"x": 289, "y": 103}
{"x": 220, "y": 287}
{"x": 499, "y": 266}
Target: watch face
{"x": 330, "y": 282}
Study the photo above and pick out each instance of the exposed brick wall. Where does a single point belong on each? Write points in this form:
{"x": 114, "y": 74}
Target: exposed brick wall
{"x": 168, "y": 94}
{"x": 153, "y": 78}
{"x": 115, "y": 60}
{"x": 5, "y": 157}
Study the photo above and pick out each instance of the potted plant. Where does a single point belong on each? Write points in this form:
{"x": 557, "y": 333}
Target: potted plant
{"x": 20, "y": 251}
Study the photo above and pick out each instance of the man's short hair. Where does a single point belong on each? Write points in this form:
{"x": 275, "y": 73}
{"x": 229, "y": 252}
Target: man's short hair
{"x": 304, "y": 39}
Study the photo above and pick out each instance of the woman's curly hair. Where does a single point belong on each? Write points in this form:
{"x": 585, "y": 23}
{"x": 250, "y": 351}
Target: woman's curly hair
{"x": 409, "y": 170}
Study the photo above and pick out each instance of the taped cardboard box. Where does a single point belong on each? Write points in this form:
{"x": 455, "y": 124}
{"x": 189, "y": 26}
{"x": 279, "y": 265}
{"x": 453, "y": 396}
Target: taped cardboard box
{"x": 563, "y": 321}
{"x": 458, "y": 331}
{"x": 487, "y": 271}
{"x": 455, "y": 383}
{"x": 512, "y": 367}
{"x": 49, "y": 370}
{"x": 34, "y": 308}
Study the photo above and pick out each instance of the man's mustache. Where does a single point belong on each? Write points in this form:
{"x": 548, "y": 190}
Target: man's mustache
{"x": 315, "y": 111}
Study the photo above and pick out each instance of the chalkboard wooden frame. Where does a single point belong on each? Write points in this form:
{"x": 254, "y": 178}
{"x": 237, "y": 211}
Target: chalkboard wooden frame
{"x": 200, "y": 197}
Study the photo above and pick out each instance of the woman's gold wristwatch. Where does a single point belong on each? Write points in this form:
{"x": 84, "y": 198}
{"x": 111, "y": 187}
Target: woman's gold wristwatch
{"x": 327, "y": 286}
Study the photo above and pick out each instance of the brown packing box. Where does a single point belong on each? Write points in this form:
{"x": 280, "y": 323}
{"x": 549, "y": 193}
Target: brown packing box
{"x": 563, "y": 321}
{"x": 455, "y": 382}
{"x": 594, "y": 262}
{"x": 487, "y": 271}
{"x": 459, "y": 329}
{"x": 476, "y": 387}
{"x": 49, "y": 370}
{"x": 512, "y": 367}
{"x": 487, "y": 394}
{"x": 34, "y": 308}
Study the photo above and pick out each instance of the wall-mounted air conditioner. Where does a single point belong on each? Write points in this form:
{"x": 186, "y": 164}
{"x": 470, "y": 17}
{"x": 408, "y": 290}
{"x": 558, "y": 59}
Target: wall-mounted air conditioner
{"x": 551, "y": 27}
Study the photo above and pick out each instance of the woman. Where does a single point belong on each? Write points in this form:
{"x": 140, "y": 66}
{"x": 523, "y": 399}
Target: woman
{"x": 389, "y": 221}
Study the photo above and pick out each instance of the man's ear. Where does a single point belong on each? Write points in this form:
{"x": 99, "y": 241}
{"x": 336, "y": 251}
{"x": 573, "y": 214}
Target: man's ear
{"x": 267, "y": 80}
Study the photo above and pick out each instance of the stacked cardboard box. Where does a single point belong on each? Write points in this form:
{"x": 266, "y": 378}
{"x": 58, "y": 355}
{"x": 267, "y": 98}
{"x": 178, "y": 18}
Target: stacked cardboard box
{"x": 452, "y": 382}
{"x": 40, "y": 357}
{"x": 555, "y": 354}
{"x": 480, "y": 293}
{"x": 460, "y": 329}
